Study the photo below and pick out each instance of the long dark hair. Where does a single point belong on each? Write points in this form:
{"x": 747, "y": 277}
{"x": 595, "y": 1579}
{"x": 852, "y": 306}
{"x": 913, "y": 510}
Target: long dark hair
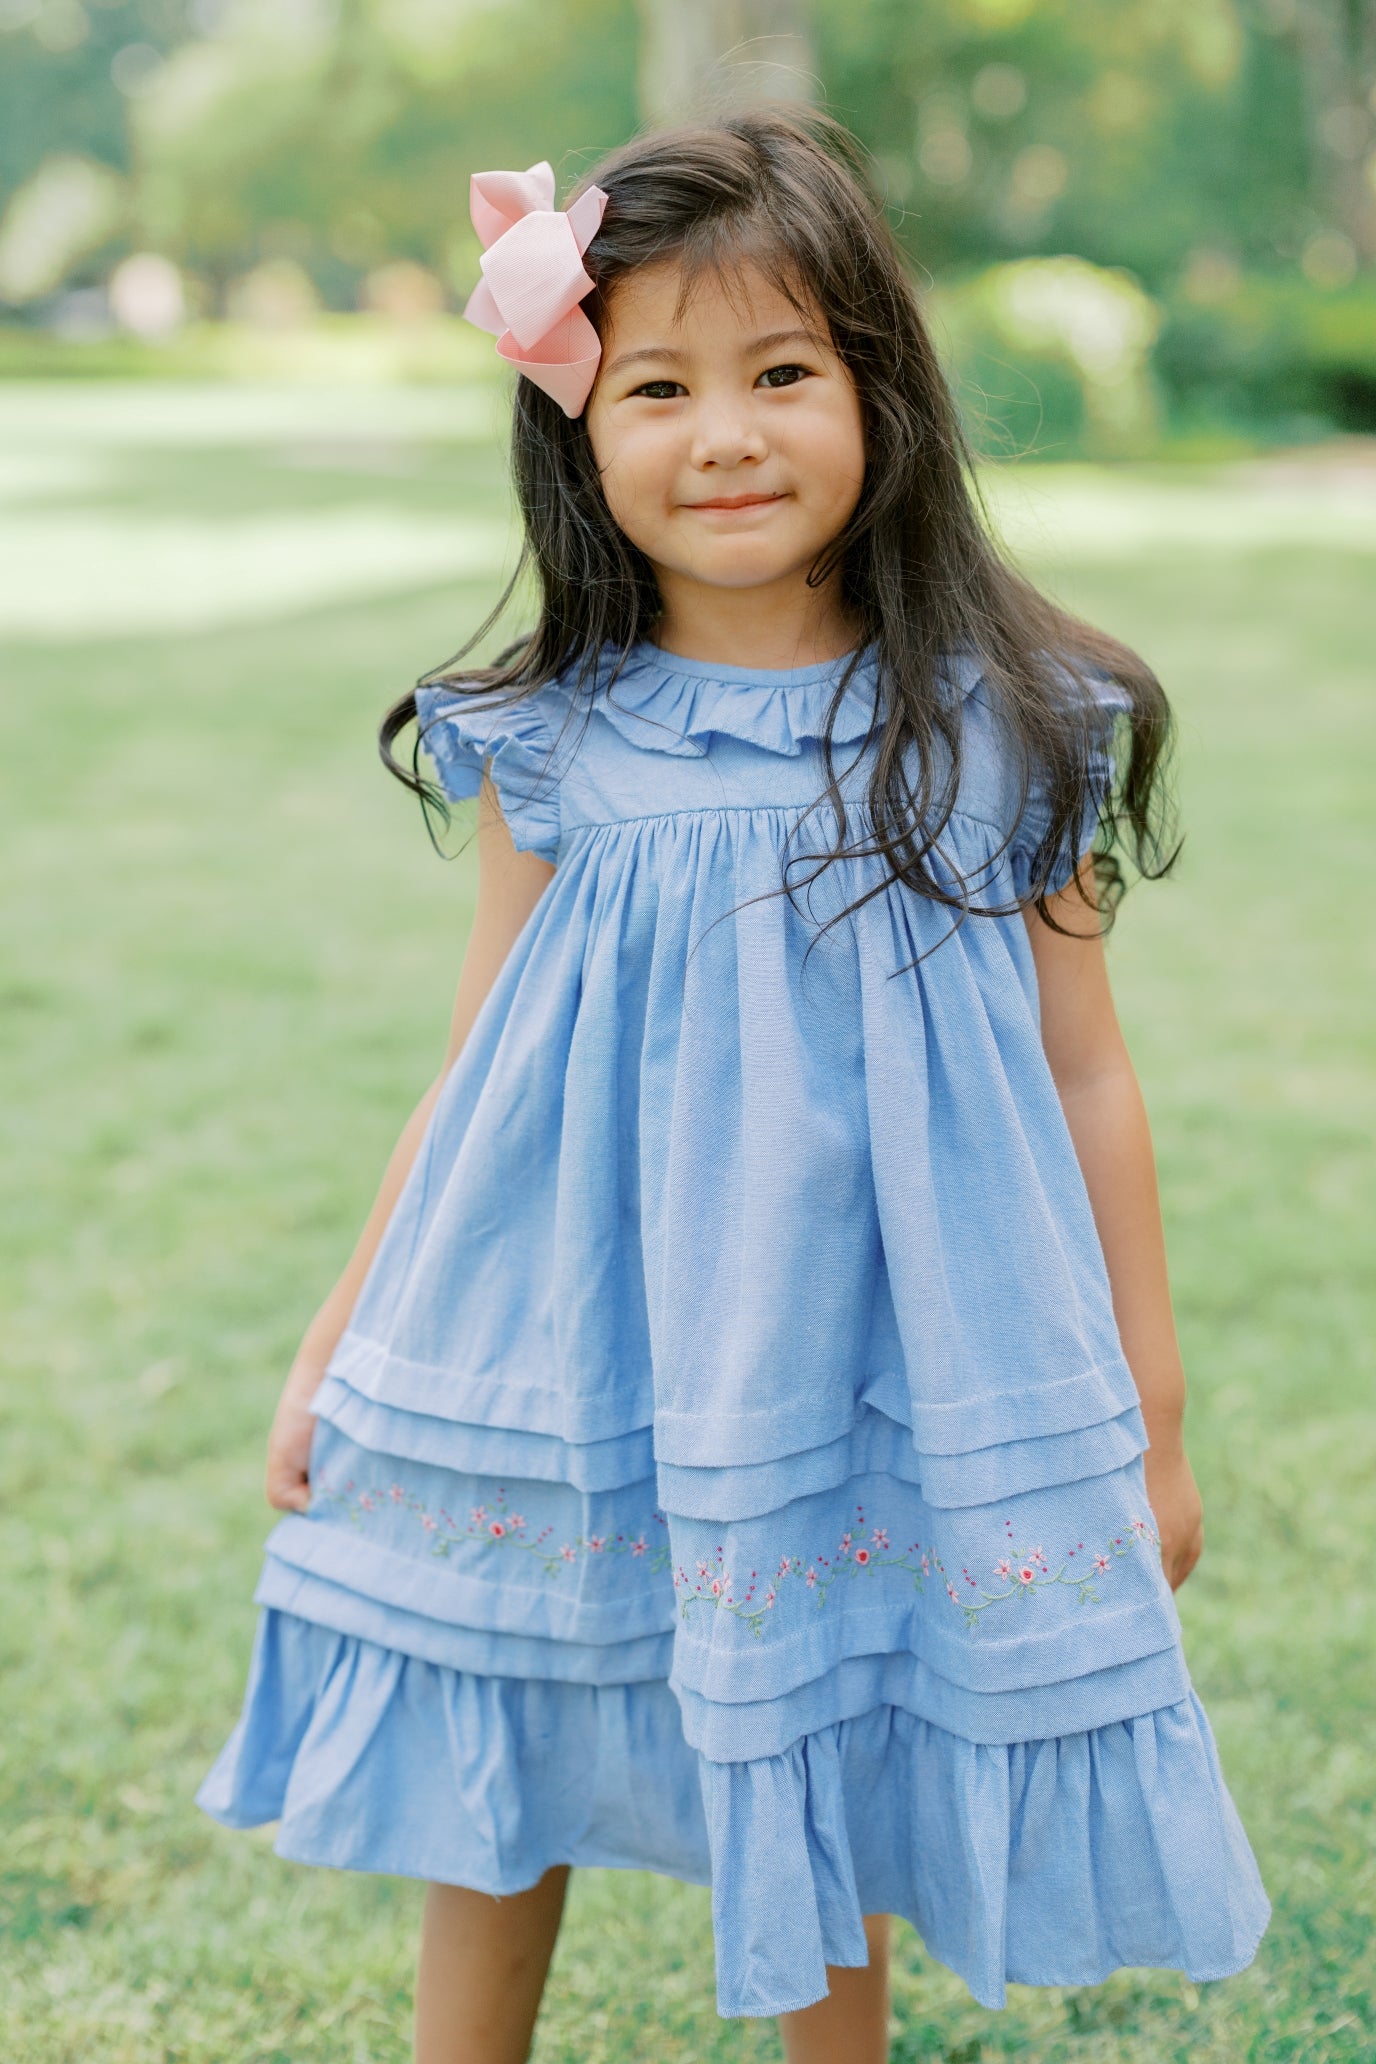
{"x": 919, "y": 572}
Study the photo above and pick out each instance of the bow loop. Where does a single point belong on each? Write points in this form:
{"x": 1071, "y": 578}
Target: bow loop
{"x": 497, "y": 199}
{"x": 534, "y": 278}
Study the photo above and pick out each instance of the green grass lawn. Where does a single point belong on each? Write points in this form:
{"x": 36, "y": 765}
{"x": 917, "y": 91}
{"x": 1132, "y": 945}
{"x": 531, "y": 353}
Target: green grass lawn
{"x": 228, "y": 960}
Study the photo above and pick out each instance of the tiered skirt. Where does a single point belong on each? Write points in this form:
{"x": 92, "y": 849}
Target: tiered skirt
{"x": 468, "y": 1678}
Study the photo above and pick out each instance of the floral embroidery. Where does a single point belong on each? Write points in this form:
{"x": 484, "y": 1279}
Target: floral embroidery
{"x": 496, "y": 1526}
{"x": 861, "y": 1550}
{"x": 1021, "y": 1572}
{"x": 852, "y": 1558}
{"x": 1025, "y": 1570}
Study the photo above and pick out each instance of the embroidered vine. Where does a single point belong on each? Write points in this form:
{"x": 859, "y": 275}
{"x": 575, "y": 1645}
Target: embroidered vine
{"x": 496, "y": 1526}
{"x": 861, "y": 1550}
{"x": 852, "y": 1559}
{"x": 1022, "y": 1572}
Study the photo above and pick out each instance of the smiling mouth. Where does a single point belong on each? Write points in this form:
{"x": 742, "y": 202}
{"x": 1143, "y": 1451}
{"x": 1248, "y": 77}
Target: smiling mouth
{"x": 745, "y": 501}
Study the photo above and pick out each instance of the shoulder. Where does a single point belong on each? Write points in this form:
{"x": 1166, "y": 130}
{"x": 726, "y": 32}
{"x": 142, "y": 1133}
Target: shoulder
{"x": 467, "y": 728}
{"x": 1039, "y": 777}
{"x": 1004, "y": 751}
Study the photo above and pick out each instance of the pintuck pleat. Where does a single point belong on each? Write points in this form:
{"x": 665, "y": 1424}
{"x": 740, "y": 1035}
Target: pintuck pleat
{"x": 731, "y": 1467}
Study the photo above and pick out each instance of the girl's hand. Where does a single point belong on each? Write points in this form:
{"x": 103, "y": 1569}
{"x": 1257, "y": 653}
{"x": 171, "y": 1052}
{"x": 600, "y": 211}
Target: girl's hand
{"x": 1177, "y": 1509}
{"x": 289, "y": 1443}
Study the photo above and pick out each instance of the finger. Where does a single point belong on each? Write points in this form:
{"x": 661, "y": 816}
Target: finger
{"x": 288, "y": 1494}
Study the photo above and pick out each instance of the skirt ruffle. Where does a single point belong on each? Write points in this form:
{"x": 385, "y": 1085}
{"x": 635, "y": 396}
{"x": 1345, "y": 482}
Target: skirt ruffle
{"x": 1048, "y": 1862}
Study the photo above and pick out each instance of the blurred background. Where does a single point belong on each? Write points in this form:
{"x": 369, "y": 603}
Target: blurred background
{"x": 251, "y": 485}
{"x": 1148, "y": 227}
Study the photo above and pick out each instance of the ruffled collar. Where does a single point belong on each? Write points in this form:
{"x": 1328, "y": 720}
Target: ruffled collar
{"x": 665, "y": 703}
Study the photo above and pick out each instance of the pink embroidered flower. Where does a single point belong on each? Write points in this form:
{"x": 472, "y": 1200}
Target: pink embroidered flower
{"x": 639, "y": 1547}
{"x": 431, "y": 1525}
{"x": 811, "y": 1579}
{"x": 862, "y": 1555}
{"x": 397, "y": 1494}
{"x": 880, "y": 1537}
{"x": 1003, "y": 1567}
{"x": 1101, "y": 1562}
{"x": 568, "y": 1553}
{"x": 597, "y": 1542}
{"x": 496, "y": 1529}
{"x": 368, "y": 1502}
{"x": 1026, "y": 1575}
{"x": 951, "y": 1592}
{"x": 516, "y": 1521}
{"x": 926, "y": 1567}
{"x": 702, "y": 1569}
{"x": 844, "y": 1548}
{"x": 478, "y": 1514}
{"x": 769, "y": 1597}
{"x": 716, "y": 1587}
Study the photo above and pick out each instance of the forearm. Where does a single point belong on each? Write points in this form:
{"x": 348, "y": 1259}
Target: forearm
{"x": 1103, "y": 1107}
{"x": 1108, "y": 1125}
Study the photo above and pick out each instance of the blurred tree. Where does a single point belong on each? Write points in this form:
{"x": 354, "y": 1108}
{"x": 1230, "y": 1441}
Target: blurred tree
{"x": 702, "y": 55}
{"x": 345, "y": 138}
{"x": 56, "y": 92}
{"x": 1336, "y": 45}
{"x": 1186, "y": 140}
{"x": 335, "y": 133}
{"x": 1130, "y": 134}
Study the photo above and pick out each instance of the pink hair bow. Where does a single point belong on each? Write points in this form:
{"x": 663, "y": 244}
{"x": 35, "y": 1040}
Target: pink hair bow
{"x": 533, "y": 279}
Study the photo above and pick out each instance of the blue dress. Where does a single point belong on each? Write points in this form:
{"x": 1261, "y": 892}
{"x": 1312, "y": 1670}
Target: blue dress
{"x": 731, "y": 1468}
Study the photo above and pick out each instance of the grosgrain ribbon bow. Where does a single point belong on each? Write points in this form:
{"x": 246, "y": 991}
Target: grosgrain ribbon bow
{"x": 533, "y": 279}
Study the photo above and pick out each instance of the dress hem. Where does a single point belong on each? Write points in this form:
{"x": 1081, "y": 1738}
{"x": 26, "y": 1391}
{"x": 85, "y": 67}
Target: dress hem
{"x": 379, "y": 1763}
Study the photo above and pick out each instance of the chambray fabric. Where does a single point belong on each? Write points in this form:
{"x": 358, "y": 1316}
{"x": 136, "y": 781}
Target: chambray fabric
{"x": 731, "y": 1468}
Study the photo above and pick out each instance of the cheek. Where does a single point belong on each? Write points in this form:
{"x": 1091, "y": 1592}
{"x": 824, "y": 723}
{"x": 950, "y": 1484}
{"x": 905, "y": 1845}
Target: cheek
{"x": 634, "y": 472}
{"x": 848, "y": 458}
{"x": 830, "y": 450}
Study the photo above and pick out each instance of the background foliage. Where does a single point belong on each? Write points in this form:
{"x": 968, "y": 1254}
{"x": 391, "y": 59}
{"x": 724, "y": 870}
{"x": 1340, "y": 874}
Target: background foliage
{"x": 1214, "y": 158}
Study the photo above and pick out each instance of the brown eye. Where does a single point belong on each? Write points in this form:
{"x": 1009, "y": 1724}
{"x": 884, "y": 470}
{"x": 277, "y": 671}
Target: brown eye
{"x": 784, "y": 375}
{"x": 660, "y": 390}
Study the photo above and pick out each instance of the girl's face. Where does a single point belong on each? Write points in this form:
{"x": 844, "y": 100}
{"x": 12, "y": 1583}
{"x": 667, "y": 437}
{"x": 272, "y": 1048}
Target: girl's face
{"x": 729, "y": 440}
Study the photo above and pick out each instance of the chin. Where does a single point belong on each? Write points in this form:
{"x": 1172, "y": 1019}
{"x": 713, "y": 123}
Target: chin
{"x": 742, "y": 568}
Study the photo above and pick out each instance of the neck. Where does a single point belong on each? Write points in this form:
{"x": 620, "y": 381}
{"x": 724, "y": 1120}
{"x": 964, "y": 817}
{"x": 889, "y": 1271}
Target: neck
{"x": 775, "y": 625}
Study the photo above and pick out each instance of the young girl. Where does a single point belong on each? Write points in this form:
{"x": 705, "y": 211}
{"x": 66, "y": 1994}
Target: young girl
{"x": 746, "y": 1441}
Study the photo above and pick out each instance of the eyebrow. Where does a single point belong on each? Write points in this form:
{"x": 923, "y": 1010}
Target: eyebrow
{"x": 667, "y": 354}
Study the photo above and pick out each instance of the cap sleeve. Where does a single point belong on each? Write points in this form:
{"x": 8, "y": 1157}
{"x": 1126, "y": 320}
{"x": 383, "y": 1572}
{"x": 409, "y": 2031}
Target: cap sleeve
{"x": 463, "y": 732}
{"x": 1034, "y": 821}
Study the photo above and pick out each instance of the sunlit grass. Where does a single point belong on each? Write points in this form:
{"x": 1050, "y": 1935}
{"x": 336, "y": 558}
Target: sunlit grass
{"x": 228, "y": 957}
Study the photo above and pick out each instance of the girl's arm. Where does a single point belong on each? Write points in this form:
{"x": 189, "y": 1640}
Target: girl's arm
{"x": 510, "y": 884}
{"x": 1108, "y": 1123}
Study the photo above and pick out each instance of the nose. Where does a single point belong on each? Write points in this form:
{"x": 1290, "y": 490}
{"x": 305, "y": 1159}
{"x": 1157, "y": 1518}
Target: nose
{"x": 726, "y": 432}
